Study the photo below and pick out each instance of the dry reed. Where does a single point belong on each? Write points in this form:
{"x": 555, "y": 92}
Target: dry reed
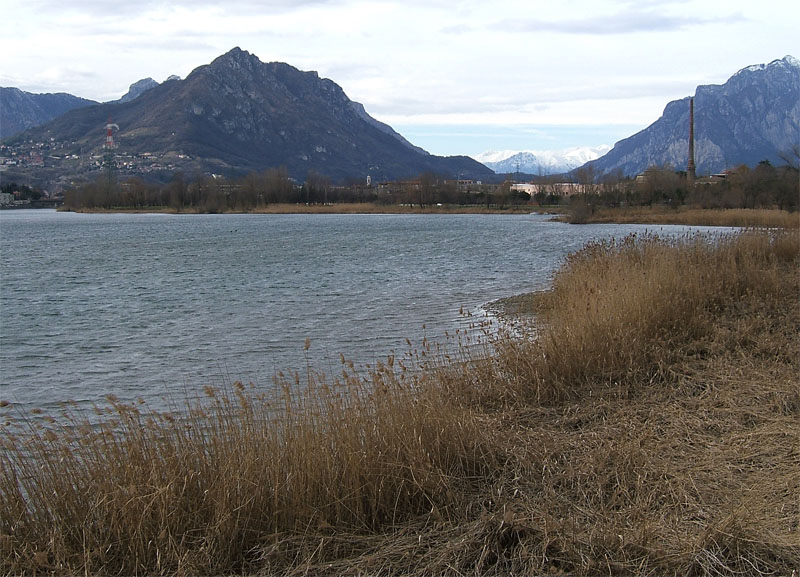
{"x": 652, "y": 426}
{"x": 207, "y": 490}
{"x": 732, "y": 217}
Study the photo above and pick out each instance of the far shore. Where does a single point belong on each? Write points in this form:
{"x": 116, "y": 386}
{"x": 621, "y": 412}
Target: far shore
{"x": 338, "y": 208}
{"x": 658, "y": 215}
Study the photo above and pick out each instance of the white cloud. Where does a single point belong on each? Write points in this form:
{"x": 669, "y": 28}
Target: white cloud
{"x": 613, "y": 62}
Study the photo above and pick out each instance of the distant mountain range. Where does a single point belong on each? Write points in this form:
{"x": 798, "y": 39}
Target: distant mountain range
{"x": 237, "y": 115}
{"x": 754, "y": 116}
{"x": 540, "y": 162}
{"x": 20, "y": 110}
{"x": 23, "y": 110}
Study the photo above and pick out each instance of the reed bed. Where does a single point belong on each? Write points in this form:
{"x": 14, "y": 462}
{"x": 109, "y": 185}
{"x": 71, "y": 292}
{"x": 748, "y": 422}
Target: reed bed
{"x": 649, "y": 425}
{"x": 206, "y": 490}
{"x": 731, "y": 217}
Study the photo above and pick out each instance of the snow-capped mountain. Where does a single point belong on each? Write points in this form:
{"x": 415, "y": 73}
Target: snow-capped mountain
{"x": 540, "y": 161}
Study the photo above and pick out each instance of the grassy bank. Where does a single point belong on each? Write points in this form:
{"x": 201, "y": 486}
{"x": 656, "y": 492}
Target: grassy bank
{"x": 652, "y": 427}
{"x": 733, "y": 217}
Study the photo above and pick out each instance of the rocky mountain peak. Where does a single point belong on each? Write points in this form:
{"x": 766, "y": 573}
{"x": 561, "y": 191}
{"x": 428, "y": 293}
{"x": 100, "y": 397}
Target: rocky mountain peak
{"x": 754, "y": 116}
{"x": 137, "y": 88}
{"x": 236, "y": 59}
{"x": 786, "y": 63}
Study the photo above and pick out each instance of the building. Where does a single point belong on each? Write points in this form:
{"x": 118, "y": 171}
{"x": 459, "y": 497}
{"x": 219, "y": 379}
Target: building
{"x": 556, "y": 188}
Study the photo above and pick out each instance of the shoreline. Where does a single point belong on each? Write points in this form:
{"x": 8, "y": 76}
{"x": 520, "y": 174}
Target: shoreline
{"x": 344, "y": 208}
{"x": 650, "y": 431}
{"x": 686, "y": 216}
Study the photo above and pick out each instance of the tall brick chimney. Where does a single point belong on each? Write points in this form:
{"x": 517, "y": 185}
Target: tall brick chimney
{"x": 690, "y": 169}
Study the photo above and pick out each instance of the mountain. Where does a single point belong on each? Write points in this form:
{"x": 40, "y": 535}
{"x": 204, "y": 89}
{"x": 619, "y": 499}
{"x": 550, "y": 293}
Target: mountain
{"x": 21, "y": 110}
{"x": 383, "y": 127}
{"x": 754, "y": 116}
{"x": 137, "y": 88}
{"x": 540, "y": 161}
{"x": 238, "y": 114}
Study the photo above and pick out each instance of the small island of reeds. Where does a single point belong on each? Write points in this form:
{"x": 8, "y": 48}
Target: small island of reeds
{"x": 642, "y": 417}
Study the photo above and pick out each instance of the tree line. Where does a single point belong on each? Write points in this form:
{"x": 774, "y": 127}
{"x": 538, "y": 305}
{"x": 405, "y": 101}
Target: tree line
{"x": 21, "y": 191}
{"x": 763, "y": 186}
{"x": 212, "y": 193}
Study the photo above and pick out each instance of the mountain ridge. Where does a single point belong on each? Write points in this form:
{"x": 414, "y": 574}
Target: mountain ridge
{"x": 753, "y": 116}
{"x": 20, "y": 110}
{"x": 540, "y": 162}
{"x": 238, "y": 114}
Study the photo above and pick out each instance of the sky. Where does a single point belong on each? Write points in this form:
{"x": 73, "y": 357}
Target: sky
{"x": 461, "y": 77}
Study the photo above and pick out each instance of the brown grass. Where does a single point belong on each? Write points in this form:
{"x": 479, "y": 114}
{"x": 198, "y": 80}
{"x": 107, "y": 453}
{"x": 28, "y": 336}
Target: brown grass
{"x": 733, "y": 217}
{"x": 652, "y": 427}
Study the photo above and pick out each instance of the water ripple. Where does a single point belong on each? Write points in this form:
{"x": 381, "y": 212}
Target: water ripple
{"x": 148, "y": 305}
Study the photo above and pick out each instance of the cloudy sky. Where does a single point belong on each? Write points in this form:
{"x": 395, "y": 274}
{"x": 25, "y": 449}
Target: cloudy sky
{"x": 459, "y": 77}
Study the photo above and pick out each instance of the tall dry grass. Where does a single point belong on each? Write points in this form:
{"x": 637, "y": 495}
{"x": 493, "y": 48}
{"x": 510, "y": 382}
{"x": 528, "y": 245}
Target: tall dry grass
{"x": 213, "y": 489}
{"x": 656, "y": 414}
{"x": 652, "y": 426}
{"x": 621, "y": 307}
{"x": 621, "y": 310}
{"x": 731, "y": 217}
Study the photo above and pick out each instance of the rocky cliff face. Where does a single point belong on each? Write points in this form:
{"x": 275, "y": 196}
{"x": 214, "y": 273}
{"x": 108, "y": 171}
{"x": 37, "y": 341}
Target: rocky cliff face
{"x": 21, "y": 110}
{"x": 137, "y": 88}
{"x": 754, "y": 116}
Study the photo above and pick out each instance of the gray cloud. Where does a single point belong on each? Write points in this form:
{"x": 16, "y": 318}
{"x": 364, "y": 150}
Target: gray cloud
{"x": 630, "y": 21}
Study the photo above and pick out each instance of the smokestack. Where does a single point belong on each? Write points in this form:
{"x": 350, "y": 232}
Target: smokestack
{"x": 690, "y": 169}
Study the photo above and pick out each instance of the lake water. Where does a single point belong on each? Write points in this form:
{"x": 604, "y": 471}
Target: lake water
{"x": 148, "y": 305}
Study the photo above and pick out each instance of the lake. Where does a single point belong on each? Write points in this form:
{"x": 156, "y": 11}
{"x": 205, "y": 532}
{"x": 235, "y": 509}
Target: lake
{"x": 150, "y": 305}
